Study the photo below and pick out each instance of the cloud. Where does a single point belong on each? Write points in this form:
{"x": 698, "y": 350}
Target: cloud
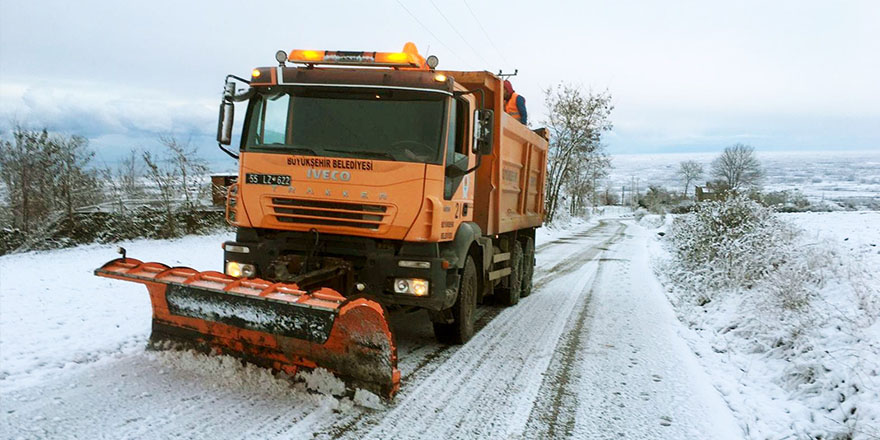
{"x": 91, "y": 110}
{"x": 114, "y": 120}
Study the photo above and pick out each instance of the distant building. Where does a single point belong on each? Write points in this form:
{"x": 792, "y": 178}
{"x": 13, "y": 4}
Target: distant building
{"x": 708, "y": 192}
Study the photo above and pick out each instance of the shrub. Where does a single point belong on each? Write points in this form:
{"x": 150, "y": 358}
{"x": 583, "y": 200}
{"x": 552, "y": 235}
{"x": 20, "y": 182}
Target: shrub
{"x": 111, "y": 227}
{"x": 734, "y": 242}
{"x": 638, "y": 214}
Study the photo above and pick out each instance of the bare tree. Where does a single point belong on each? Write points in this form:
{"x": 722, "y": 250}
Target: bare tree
{"x": 582, "y": 182}
{"x": 576, "y": 121}
{"x": 689, "y": 171}
{"x": 45, "y": 175}
{"x": 123, "y": 183}
{"x": 130, "y": 172}
{"x": 180, "y": 179}
{"x": 163, "y": 178}
{"x": 189, "y": 169}
{"x": 77, "y": 185}
{"x": 18, "y": 159}
{"x": 738, "y": 168}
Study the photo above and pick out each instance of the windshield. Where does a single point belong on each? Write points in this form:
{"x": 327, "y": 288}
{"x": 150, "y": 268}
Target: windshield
{"x": 400, "y": 125}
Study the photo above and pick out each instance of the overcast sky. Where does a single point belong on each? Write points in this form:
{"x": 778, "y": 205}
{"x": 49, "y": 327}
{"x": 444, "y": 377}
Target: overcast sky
{"x": 685, "y": 76}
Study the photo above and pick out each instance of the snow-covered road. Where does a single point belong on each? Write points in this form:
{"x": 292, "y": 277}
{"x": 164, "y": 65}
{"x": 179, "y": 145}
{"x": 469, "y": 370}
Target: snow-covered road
{"x": 594, "y": 352}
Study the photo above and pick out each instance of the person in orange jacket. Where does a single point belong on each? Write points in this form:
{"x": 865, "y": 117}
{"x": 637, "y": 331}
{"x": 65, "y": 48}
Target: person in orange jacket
{"x": 514, "y": 104}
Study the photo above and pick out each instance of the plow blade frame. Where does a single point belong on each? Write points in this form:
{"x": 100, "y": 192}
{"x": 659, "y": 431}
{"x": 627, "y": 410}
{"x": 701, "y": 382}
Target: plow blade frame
{"x": 275, "y": 325}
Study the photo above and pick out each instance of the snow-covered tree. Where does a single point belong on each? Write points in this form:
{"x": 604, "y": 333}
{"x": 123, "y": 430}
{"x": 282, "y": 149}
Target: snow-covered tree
{"x": 576, "y": 120}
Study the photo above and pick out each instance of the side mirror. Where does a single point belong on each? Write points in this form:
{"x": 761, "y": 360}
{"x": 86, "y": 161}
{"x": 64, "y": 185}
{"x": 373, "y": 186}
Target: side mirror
{"x": 483, "y": 127}
{"x": 227, "y": 115}
{"x": 224, "y": 125}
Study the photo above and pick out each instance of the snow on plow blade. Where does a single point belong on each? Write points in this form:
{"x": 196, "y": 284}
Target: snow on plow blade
{"x": 274, "y": 325}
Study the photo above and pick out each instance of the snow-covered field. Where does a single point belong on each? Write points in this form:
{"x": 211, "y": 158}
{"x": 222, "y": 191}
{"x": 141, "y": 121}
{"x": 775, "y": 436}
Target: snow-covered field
{"x": 820, "y": 175}
{"x": 857, "y": 232}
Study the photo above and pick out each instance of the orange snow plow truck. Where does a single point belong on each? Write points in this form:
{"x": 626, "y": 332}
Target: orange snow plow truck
{"x": 368, "y": 182}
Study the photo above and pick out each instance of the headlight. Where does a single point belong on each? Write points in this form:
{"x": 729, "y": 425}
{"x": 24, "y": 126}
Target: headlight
{"x": 239, "y": 270}
{"x": 401, "y": 285}
{"x": 411, "y": 286}
{"x": 419, "y": 287}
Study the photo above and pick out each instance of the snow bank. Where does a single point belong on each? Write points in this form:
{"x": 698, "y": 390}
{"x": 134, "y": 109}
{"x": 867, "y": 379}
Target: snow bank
{"x": 785, "y": 321}
{"x": 552, "y": 232}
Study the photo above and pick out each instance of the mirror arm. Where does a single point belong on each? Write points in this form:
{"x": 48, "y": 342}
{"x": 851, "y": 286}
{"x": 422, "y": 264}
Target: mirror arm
{"x": 230, "y": 95}
{"x": 244, "y": 96}
{"x": 225, "y": 150}
{"x": 236, "y": 77}
{"x": 479, "y": 162}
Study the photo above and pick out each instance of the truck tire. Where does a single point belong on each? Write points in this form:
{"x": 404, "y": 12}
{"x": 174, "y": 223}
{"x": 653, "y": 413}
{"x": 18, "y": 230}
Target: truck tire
{"x": 463, "y": 311}
{"x": 510, "y": 295}
{"x": 528, "y": 266}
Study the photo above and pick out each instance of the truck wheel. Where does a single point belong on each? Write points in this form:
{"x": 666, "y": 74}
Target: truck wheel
{"x": 528, "y": 266}
{"x": 510, "y": 295}
{"x": 462, "y": 328}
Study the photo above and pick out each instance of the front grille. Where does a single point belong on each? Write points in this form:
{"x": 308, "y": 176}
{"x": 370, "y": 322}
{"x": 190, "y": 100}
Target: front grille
{"x": 327, "y": 213}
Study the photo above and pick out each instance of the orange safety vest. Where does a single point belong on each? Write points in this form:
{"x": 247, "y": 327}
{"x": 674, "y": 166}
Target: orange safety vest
{"x": 510, "y": 107}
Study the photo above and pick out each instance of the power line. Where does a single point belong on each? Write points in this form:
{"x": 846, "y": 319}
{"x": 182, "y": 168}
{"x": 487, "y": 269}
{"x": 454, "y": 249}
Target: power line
{"x": 498, "y": 51}
{"x": 458, "y": 33}
{"x": 429, "y": 31}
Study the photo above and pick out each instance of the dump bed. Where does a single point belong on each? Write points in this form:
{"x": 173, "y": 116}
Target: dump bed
{"x": 509, "y": 190}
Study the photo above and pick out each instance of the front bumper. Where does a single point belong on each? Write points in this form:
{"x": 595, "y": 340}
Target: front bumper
{"x": 376, "y": 270}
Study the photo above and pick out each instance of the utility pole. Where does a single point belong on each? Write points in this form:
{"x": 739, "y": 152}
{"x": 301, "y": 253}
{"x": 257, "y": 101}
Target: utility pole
{"x": 638, "y": 193}
{"x": 632, "y": 199}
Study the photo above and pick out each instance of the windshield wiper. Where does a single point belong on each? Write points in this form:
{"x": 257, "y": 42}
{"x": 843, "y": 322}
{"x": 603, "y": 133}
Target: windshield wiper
{"x": 381, "y": 154}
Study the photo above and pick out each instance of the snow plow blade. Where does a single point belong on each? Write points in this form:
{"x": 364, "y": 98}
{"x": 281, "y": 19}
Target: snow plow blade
{"x": 275, "y": 325}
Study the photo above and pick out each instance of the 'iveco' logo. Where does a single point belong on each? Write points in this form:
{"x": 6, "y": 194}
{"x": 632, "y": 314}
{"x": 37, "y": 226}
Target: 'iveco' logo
{"x": 343, "y": 176}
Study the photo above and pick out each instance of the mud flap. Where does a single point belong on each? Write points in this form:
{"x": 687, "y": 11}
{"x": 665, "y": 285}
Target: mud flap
{"x": 274, "y": 325}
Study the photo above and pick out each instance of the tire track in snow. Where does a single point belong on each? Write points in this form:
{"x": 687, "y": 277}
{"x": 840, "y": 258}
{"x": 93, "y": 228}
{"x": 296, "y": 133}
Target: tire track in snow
{"x": 487, "y": 387}
{"x": 555, "y": 410}
{"x": 573, "y": 261}
{"x": 568, "y": 239}
{"x": 556, "y": 417}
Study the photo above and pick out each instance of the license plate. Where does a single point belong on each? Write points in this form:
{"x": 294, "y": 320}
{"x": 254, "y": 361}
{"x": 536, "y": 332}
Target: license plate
{"x": 267, "y": 179}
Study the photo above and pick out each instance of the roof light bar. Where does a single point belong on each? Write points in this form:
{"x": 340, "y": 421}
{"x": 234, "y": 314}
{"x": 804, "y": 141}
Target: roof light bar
{"x": 379, "y": 59}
